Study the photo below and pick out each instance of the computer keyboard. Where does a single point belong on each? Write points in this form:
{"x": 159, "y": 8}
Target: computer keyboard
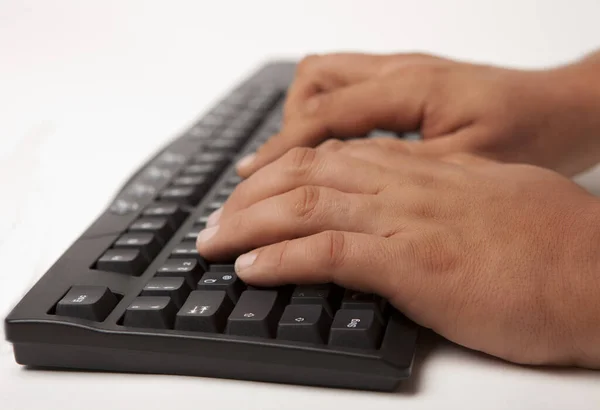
{"x": 132, "y": 294}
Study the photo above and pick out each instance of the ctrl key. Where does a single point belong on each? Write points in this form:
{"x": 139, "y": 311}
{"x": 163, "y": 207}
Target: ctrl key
{"x": 87, "y": 302}
{"x": 155, "y": 312}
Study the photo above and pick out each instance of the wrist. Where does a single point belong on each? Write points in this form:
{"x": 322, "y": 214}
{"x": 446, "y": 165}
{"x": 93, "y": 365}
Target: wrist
{"x": 575, "y": 102}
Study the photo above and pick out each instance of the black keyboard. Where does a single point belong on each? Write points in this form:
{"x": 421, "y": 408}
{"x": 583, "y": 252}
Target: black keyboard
{"x": 133, "y": 295}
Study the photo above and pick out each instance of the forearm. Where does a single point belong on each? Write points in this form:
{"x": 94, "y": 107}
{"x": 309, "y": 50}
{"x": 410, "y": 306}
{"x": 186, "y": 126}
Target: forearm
{"x": 593, "y": 58}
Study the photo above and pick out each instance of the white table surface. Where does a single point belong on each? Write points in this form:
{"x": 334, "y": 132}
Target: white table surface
{"x": 89, "y": 89}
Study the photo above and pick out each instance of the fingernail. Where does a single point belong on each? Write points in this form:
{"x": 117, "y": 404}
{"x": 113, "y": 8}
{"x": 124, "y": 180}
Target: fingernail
{"x": 246, "y": 161}
{"x": 245, "y": 261}
{"x": 213, "y": 218}
{"x": 206, "y": 234}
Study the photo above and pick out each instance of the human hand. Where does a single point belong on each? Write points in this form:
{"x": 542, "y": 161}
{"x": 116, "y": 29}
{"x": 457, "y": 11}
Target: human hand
{"x": 549, "y": 118}
{"x": 496, "y": 257}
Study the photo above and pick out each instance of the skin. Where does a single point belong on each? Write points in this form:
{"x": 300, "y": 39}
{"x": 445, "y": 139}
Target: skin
{"x": 546, "y": 117}
{"x": 500, "y": 257}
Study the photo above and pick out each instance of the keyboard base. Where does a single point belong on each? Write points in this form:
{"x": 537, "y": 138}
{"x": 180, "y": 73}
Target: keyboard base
{"x": 59, "y": 357}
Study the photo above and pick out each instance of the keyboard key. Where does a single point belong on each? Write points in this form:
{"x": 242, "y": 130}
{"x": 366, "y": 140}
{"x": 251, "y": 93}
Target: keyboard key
{"x": 87, "y": 302}
{"x": 359, "y": 300}
{"x": 205, "y": 170}
{"x": 169, "y": 157}
{"x": 123, "y": 207}
{"x": 284, "y": 292}
{"x": 156, "y": 312}
{"x": 224, "y": 110}
{"x": 225, "y": 281}
{"x": 304, "y": 323}
{"x": 226, "y": 192}
{"x": 327, "y": 295}
{"x": 145, "y": 242}
{"x": 140, "y": 190}
{"x": 155, "y": 173}
{"x": 189, "y": 269}
{"x": 211, "y": 157}
{"x": 174, "y": 287}
{"x": 204, "y": 311}
{"x": 213, "y": 206}
{"x": 173, "y": 212}
{"x": 245, "y": 119}
{"x": 256, "y": 314}
{"x": 192, "y": 234}
{"x": 239, "y": 135}
{"x": 187, "y": 250}
{"x": 227, "y": 145}
{"x": 221, "y": 267}
{"x": 212, "y": 121}
{"x": 192, "y": 180}
{"x": 201, "y": 132}
{"x": 233, "y": 181}
{"x": 220, "y": 198}
{"x": 202, "y": 219}
{"x": 128, "y": 261}
{"x": 188, "y": 195}
{"x": 237, "y": 98}
{"x": 356, "y": 328}
{"x": 160, "y": 227}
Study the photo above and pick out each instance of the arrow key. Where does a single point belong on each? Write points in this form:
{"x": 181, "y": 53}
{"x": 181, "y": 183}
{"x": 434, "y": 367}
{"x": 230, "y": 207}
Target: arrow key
{"x": 304, "y": 323}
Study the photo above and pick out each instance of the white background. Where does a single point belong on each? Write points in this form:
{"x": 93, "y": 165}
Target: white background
{"x": 88, "y": 90}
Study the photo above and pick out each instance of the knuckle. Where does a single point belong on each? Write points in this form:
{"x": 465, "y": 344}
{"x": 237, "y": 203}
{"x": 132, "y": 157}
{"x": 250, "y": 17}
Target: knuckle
{"x": 307, "y": 202}
{"x": 317, "y": 105}
{"x": 307, "y": 65}
{"x": 334, "y": 248}
{"x": 300, "y": 160}
{"x": 332, "y": 145}
{"x": 282, "y": 255}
